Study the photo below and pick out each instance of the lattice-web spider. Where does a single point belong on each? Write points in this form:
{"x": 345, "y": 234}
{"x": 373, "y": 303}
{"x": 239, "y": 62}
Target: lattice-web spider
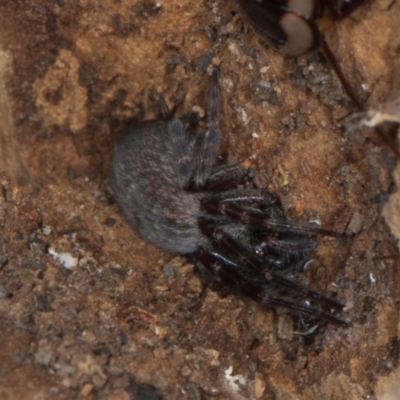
{"x": 165, "y": 179}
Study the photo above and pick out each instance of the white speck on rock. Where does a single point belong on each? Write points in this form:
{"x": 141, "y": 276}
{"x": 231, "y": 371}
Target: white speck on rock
{"x": 66, "y": 259}
{"x": 234, "y": 381}
{"x": 46, "y": 230}
{"x": 371, "y": 278}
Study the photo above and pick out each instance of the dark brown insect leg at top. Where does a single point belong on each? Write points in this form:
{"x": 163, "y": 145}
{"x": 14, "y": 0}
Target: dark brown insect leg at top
{"x": 291, "y": 27}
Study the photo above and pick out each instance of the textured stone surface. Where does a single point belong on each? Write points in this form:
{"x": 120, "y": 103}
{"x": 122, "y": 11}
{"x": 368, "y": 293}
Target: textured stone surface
{"x": 121, "y": 321}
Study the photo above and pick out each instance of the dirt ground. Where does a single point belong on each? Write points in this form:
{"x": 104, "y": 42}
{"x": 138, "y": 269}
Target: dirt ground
{"x": 90, "y": 311}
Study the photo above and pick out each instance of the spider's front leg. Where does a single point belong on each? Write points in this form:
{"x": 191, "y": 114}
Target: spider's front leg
{"x": 261, "y": 219}
{"x": 257, "y": 280}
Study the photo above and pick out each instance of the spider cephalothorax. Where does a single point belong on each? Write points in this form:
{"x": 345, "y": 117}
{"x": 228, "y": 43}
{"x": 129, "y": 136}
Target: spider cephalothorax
{"x": 165, "y": 179}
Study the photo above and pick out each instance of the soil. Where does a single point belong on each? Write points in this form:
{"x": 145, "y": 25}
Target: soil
{"x": 88, "y": 310}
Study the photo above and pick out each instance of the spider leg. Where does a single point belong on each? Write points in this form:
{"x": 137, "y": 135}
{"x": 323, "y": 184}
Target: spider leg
{"x": 257, "y": 198}
{"x": 247, "y": 260}
{"x": 257, "y": 218}
{"x": 285, "y": 245}
{"x": 257, "y": 288}
{"x": 225, "y": 178}
{"x": 208, "y": 148}
{"x": 165, "y": 111}
{"x": 168, "y": 115}
{"x": 184, "y": 144}
{"x": 196, "y": 154}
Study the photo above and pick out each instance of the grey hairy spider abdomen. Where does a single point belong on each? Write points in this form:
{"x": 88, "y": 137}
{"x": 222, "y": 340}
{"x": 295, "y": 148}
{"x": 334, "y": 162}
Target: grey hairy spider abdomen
{"x": 146, "y": 184}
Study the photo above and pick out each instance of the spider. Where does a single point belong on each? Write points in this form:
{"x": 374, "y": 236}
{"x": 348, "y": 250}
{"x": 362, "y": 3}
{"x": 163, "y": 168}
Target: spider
{"x": 168, "y": 185}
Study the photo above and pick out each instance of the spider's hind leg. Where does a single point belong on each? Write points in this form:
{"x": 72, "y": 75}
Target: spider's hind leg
{"x": 195, "y": 153}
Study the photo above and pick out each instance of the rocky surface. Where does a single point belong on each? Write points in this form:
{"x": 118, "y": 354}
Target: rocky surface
{"x": 87, "y": 309}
